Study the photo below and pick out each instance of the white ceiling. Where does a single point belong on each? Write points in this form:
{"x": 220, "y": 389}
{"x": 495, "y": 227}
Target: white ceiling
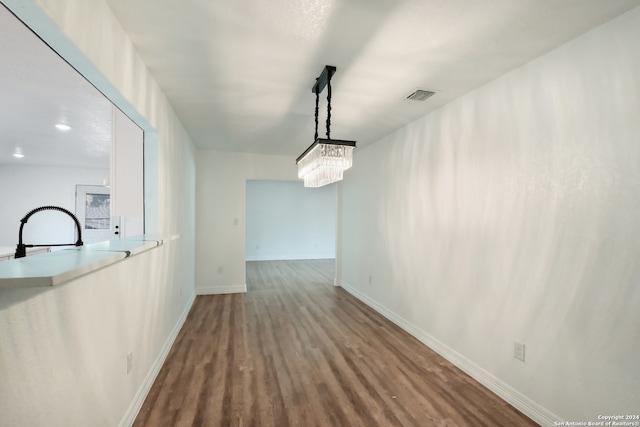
{"x": 38, "y": 90}
{"x": 239, "y": 73}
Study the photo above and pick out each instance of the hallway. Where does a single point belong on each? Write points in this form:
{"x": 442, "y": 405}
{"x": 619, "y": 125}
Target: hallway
{"x": 295, "y": 350}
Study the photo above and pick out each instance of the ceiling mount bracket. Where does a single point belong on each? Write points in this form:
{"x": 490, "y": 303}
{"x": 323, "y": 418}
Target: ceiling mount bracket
{"x": 323, "y": 79}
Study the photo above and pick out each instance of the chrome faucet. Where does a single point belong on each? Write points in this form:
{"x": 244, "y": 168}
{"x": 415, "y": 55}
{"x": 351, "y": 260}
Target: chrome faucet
{"x": 21, "y": 249}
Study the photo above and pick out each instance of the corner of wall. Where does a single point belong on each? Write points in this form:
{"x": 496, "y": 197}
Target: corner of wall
{"x": 220, "y": 290}
{"x": 134, "y": 408}
{"x": 512, "y": 396}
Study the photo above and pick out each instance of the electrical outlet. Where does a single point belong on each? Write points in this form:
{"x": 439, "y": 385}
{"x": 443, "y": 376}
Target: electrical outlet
{"x": 370, "y": 279}
{"x": 129, "y": 362}
{"x": 219, "y": 270}
{"x": 518, "y": 350}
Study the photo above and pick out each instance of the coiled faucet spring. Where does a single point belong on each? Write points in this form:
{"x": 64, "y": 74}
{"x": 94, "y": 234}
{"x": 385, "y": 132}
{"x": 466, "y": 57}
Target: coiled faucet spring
{"x": 21, "y": 249}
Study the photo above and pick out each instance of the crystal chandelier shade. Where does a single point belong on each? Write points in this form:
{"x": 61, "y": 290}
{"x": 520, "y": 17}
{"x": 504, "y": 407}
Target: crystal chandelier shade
{"x": 324, "y": 163}
{"x": 326, "y": 159}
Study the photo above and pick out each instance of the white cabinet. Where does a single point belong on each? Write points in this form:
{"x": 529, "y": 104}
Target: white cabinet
{"x": 127, "y": 174}
{"x": 7, "y": 252}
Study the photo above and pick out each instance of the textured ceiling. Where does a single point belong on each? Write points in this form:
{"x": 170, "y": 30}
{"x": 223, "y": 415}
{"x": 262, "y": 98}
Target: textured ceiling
{"x": 239, "y": 73}
{"x": 38, "y": 90}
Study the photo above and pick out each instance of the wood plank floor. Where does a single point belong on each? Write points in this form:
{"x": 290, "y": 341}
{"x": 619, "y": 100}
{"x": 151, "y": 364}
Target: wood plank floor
{"x": 296, "y": 351}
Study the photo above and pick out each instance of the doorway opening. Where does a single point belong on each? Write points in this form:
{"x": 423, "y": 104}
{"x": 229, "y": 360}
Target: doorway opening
{"x": 285, "y": 222}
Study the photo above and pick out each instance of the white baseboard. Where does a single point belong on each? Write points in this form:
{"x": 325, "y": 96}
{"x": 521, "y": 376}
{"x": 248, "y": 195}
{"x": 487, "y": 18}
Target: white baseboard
{"x": 217, "y": 290}
{"x": 512, "y": 396}
{"x": 288, "y": 257}
{"x": 143, "y": 391}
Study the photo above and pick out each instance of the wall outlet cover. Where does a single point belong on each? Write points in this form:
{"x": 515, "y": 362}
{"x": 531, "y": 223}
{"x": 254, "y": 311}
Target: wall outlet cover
{"x": 518, "y": 350}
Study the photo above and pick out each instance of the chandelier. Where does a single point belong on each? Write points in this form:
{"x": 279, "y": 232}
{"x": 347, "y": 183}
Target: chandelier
{"x": 326, "y": 159}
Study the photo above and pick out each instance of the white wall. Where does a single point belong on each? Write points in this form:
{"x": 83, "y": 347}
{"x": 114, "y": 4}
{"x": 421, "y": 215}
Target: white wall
{"x": 23, "y": 188}
{"x": 221, "y": 208}
{"x": 285, "y": 220}
{"x": 512, "y": 215}
{"x": 63, "y": 354}
{"x": 63, "y": 350}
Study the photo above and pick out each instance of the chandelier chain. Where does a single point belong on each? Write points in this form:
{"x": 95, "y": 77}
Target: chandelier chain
{"x": 329, "y": 107}
{"x": 317, "y": 102}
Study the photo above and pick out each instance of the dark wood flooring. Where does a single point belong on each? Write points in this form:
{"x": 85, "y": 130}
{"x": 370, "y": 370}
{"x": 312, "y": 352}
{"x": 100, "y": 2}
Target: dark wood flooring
{"x": 296, "y": 351}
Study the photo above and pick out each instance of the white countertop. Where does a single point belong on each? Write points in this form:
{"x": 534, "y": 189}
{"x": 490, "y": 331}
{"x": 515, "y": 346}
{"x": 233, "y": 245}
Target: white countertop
{"x": 51, "y": 269}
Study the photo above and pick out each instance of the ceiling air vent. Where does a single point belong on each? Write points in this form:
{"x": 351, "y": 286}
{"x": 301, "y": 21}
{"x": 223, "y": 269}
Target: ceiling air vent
{"x": 420, "y": 95}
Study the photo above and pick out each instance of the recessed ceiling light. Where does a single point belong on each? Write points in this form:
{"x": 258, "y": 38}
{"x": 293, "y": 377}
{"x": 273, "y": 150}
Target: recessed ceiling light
{"x": 18, "y": 153}
{"x": 62, "y": 126}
